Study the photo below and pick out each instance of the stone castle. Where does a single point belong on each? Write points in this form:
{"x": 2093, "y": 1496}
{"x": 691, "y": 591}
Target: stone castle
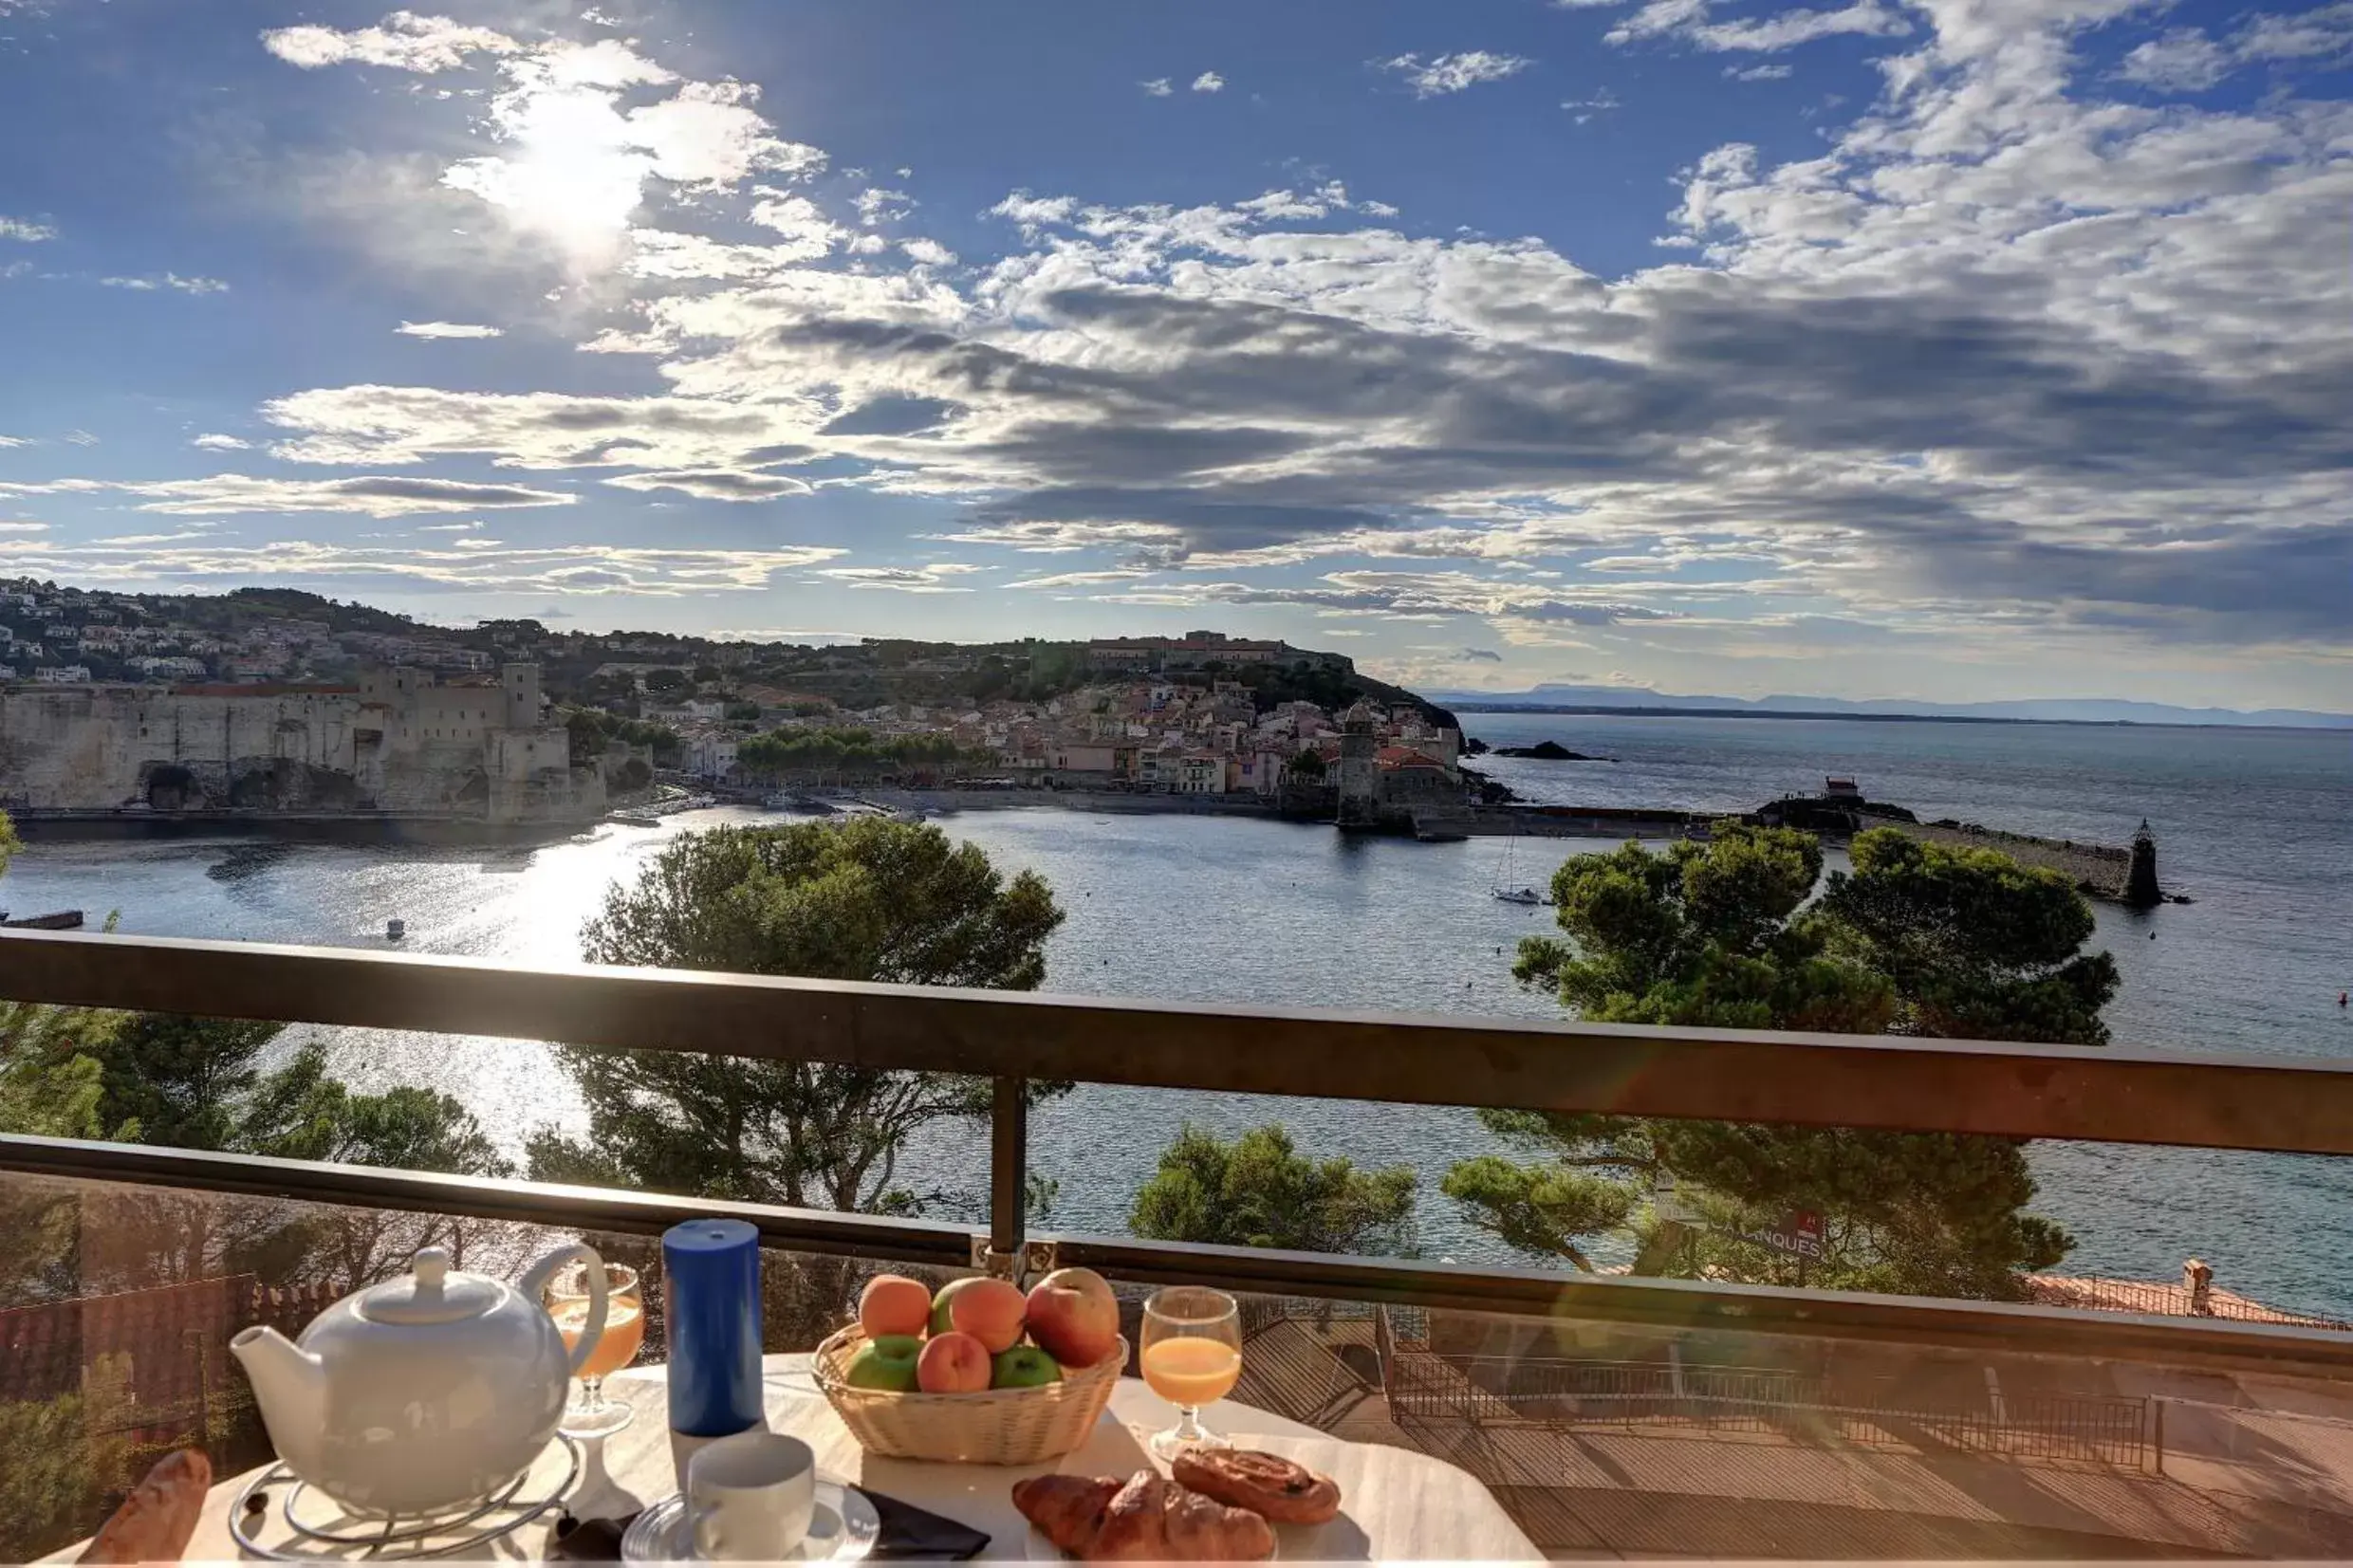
{"x": 398, "y": 743}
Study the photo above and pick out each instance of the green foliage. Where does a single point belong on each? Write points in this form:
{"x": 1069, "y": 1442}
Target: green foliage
{"x": 592, "y": 727}
{"x": 199, "y": 1083}
{"x": 1919, "y": 938}
{"x": 1978, "y": 946}
{"x": 849, "y": 752}
{"x": 1259, "y": 1192}
{"x": 866, "y": 899}
{"x": 1307, "y": 764}
{"x": 63, "y": 1456}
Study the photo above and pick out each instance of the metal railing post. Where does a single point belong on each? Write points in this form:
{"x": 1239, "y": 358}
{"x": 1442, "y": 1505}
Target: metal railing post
{"x": 1009, "y": 1176}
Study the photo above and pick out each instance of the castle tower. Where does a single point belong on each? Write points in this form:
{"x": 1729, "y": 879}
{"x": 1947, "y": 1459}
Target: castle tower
{"x": 520, "y": 685}
{"x": 1360, "y": 772}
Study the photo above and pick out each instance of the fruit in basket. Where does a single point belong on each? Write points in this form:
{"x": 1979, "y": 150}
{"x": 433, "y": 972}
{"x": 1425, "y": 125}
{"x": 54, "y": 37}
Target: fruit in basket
{"x": 1023, "y": 1367}
{"x": 894, "y": 1304}
{"x": 943, "y": 1302}
{"x": 990, "y": 1311}
{"x": 887, "y": 1362}
{"x": 953, "y": 1363}
{"x": 1074, "y": 1316}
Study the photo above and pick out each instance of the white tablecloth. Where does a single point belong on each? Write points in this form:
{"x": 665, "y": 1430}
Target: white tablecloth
{"x": 1399, "y": 1505}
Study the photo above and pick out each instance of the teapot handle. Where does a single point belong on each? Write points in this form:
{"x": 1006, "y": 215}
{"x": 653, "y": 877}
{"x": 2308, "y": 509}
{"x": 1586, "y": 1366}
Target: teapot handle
{"x": 534, "y": 1283}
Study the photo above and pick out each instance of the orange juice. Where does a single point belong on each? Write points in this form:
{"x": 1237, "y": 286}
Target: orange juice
{"x": 1192, "y": 1372}
{"x": 624, "y": 1331}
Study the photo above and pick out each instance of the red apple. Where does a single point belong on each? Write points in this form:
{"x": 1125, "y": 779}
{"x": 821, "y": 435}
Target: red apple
{"x": 953, "y": 1363}
{"x": 892, "y": 1303}
{"x": 1074, "y": 1317}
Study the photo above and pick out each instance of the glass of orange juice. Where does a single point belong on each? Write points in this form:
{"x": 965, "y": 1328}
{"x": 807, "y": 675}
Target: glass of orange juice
{"x": 590, "y": 1414}
{"x": 1192, "y": 1357}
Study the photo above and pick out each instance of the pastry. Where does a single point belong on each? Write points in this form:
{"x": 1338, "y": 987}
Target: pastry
{"x": 1283, "y": 1490}
{"x": 156, "y": 1521}
{"x": 1148, "y": 1519}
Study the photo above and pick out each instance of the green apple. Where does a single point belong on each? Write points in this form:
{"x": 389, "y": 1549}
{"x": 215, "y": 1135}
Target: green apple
{"x": 1023, "y": 1367}
{"x": 940, "y": 1323}
{"x": 887, "y": 1363}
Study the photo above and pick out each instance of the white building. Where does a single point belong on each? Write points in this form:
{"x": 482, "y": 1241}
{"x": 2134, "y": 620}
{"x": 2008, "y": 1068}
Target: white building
{"x": 63, "y": 675}
{"x": 712, "y": 754}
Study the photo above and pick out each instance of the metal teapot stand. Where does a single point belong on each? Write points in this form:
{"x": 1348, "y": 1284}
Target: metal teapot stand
{"x": 279, "y": 1519}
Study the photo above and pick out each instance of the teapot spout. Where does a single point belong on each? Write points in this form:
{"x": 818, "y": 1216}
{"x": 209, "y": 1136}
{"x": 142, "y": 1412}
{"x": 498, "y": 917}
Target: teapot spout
{"x": 289, "y": 1385}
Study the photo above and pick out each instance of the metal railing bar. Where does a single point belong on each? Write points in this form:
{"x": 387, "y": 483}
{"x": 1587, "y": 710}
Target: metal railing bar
{"x": 2115, "y": 1094}
{"x": 1712, "y": 1305}
{"x": 1677, "y": 1305}
{"x": 593, "y": 1209}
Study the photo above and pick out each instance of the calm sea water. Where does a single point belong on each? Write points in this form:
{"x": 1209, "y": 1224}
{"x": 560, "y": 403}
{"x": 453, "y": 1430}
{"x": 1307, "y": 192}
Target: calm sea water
{"x": 2257, "y": 825}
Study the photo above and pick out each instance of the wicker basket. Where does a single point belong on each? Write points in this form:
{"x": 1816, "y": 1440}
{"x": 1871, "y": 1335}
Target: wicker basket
{"x": 1000, "y": 1427}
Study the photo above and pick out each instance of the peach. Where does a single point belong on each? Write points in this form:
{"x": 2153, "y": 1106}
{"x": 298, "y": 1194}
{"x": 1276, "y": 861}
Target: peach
{"x": 1074, "y": 1317}
{"x": 990, "y": 1311}
{"x": 892, "y": 1303}
{"x": 953, "y": 1363}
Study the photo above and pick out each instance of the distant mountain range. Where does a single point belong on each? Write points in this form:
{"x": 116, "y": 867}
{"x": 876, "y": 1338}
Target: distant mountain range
{"x": 1576, "y": 699}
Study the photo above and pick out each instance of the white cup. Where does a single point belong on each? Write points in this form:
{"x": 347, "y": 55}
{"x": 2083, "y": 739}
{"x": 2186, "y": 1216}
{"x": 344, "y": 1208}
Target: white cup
{"x": 750, "y": 1497}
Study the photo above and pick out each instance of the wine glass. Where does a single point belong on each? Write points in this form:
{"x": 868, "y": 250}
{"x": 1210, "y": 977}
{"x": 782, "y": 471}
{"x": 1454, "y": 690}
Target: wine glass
{"x": 1192, "y": 1357}
{"x": 590, "y": 1414}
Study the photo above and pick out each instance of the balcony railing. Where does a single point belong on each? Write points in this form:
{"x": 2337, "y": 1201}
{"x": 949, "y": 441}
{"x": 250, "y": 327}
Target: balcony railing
{"x": 2115, "y": 1094}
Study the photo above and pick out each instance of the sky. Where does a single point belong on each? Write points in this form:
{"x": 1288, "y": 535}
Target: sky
{"x": 1957, "y": 349}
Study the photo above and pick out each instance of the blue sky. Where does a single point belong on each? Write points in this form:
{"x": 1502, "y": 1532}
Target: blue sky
{"x": 1959, "y": 349}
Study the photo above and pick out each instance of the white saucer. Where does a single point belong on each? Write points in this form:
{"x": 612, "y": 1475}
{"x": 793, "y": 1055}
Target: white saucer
{"x": 843, "y": 1527}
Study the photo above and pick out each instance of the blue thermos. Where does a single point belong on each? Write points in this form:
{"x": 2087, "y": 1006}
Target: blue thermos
{"x": 710, "y": 1308}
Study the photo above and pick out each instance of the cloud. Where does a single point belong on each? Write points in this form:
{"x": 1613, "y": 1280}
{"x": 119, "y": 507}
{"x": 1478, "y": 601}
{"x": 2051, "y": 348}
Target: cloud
{"x": 1158, "y": 87}
{"x": 8, "y": 441}
{"x": 371, "y": 496}
{"x": 1687, "y": 21}
{"x": 25, "y": 230}
{"x": 1757, "y": 73}
{"x": 447, "y": 329}
{"x": 574, "y": 569}
{"x": 1208, "y": 81}
{"x": 1081, "y": 579}
{"x": 215, "y": 442}
{"x": 402, "y": 41}
{"x": 573, "y": 155}
{"x": 716, "y": 484}
{"x": 2184, "y": 59}
{"x": 1479, "y": 656}
{"x": 928, "y": 253}
{"x": 169, "y": 280}
{"x": 877, "y": 206}
{"x": 1583, "y": 109}
{"x": 904, "y": 580}
{"x": 1452, "y": 73}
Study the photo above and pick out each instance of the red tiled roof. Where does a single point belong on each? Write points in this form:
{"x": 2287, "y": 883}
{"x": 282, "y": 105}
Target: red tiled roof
{"x": 1404, "y": 756}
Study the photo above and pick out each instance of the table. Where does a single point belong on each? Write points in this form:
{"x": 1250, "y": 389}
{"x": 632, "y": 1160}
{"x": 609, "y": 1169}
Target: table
{"x": 1401, "y": 1504}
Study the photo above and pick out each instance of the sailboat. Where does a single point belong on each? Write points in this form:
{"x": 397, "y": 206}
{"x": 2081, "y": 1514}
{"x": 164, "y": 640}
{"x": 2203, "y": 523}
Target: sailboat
{"x": 1509, "y": 887}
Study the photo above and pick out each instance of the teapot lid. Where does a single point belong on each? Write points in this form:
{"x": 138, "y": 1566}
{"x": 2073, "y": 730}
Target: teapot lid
{"x": 434, "y": 1293}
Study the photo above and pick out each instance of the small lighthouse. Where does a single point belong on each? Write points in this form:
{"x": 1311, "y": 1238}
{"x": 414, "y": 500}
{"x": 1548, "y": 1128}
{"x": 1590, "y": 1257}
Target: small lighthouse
{"x": 2141, "y": 890}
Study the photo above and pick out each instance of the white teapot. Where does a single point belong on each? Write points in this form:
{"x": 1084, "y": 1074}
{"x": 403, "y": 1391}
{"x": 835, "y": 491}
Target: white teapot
{"x": 425, "y": 1392}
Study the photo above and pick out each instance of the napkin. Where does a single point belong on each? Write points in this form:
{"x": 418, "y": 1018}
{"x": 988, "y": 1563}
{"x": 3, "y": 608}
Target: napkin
{"x": 908, "y": 1533}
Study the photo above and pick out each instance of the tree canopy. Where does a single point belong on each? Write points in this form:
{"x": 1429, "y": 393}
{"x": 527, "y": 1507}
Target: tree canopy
{"x": 1258, "y": 1191}
{"x": 845, "y": 751}
{"x": 1918, "y": 937}
{"x": 861, "y": 899}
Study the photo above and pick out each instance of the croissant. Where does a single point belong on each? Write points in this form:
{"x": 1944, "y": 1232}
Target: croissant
{"x": 1148, "y": 1519}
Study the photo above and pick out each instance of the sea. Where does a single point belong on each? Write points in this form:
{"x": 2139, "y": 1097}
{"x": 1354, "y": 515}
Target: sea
{"x": 2254, "y": 825}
